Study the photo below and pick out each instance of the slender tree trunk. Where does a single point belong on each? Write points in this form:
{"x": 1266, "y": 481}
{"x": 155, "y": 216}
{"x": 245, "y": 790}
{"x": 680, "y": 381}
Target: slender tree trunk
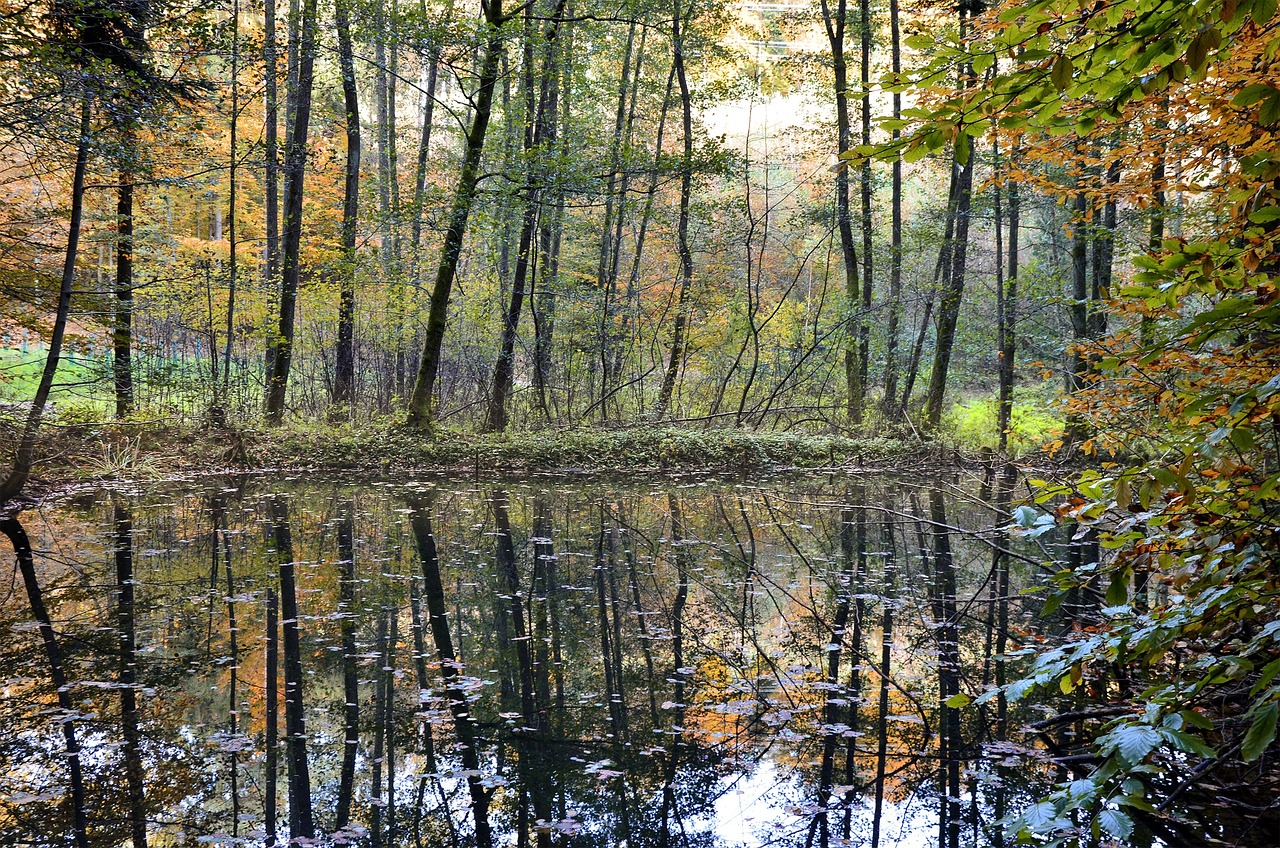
{"x": 682, "y": 226}
{"x": 450, "y": 670}
{"x": 130, "y": 715}
{"x": 233, "y": 651}
{"x": 1078, "y": 309}
{"x": 679, "y": 674}
{"x": 953, "y": 274}
{"x": 540, "y": 117}
{"x": 885, "y": 670}
{"x": 122, "y": 334}
{"x": 376, "y": 802}
{"x": 651, "y": 193}
{"x": 1007, "y": 311}
{"x": 345, "y": 360}
{"x": 544, "y": 313}
{"x": 1104, "y": 240}
{"x": 868, "y": 276}
{"x": 350, "y": 679}
{"x": 1155, "y": 231}
{"x": 393, "y": 156}
{"x": 219, "y": 412}
{"x": 834, "y": 22}
{"x": 383, "y": 130}
{"x": 272, "y": 742}
{"x": 77, "y": 817}
{"x": 295, "y": 162}
{"x": 419, "y": 407}
{"x": 301, "y": 823}
{"x": 271, "y": 176}
{"x": 953, "y": 281}
{"x": 895, "y": 247}
{"x": 432, "y": 61}
{"x": 24, "y": 456}
{"x": 504, "y": 367}
{"x": 607, "y": 263}
{"x": 388, "y": 719}
{"x": 946, "y": 619}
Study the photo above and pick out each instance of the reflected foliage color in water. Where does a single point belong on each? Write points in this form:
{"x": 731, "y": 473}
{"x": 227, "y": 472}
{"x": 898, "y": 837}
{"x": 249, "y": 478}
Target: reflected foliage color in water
{"x": 444, "y": 663}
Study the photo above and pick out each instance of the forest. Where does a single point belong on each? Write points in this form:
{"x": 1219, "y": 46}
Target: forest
{"x": 1016, "y": 258}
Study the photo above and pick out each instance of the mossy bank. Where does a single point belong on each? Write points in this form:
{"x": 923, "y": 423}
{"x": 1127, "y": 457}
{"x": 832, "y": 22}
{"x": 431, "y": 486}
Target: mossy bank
{"x": 85, "y": 452}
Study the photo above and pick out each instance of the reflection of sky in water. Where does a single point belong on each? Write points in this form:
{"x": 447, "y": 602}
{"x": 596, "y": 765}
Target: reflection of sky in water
{"x": 766, "y": 805}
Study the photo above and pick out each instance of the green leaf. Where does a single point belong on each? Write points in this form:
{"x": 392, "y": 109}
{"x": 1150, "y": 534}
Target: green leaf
{"x": 1062, "y": 71}
{"x": 1189, "y": 744}
{"x": 1194, "y": 718}
{"x": 1025, "y": 516}
{"x": 1118, "y": 591}
{"x": 919, "y": 42}
{"x": 1261, "y": 733}
{"x": 1263, "y": 11}
{"x": 1242, "y": 438}
{"x": 1039, "y": 815}
{"x": 1134, "y": 741}
{"x": 1116, "y": 823}
{"x": 1269, "y": 111}
{"x": 1252, "y": 94}
{"x": 915, "y": 153}
{"x": 958, "y": 700}
{"x": 1265, "y": 215}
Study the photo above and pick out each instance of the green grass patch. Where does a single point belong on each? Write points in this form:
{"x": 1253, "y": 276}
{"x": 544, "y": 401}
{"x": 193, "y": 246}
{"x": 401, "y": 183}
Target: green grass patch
{"x": 971, "y": 424}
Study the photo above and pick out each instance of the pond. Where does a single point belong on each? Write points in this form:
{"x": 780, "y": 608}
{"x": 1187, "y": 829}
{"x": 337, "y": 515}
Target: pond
{"x": 668, "y": 661}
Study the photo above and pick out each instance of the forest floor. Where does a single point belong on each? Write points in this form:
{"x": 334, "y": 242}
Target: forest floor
{"x": 74, "y": 454}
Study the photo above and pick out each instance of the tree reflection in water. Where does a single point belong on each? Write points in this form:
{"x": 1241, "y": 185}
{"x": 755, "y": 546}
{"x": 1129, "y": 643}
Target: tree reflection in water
{"x": 678, "y": 664}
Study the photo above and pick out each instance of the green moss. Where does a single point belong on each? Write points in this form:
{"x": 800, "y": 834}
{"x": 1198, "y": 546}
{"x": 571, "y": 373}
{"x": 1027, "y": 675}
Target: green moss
{"x": 388, "y": 448}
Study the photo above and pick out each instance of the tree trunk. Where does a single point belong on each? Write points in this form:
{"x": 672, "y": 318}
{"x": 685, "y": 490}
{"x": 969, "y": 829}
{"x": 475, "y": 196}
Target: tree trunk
{"x": 301, "y": 823}
{"x": 450, "y": 670}
{"x": 130, "y": 715}
{"x": 886, "y": 657}
{"x": 953, "y": 280}
{"x": 540, "y": 123}
{"x": 10, "y": 527}
{"x": 350, "y": 679}
{"x": 834, "y": 22}
{"x": 272, "y": 742}
{"x": 345, "y": 360}
{"x": 651, "y": 193}
{"x": 895, "y": 246}
{"x": 24, "y": 457}
{"x": 122, "y": 333}
{"x": 271, "y": 175}
{"x": 432, "y": 61}
{"x": 1007, "y": 310}
{"x": 376, "y": 803}
{"x": 864, "y": 324}
{"x": 957, "y": 250}
{"x": 1078, "y": 308}
{"x": 233, "y": 651}
{"x": 946, "y": 626}
{"x": 218, "y": 413}
{"x": 607, "y": 262}
{"x": 419, "y": 407}
{"x": 682, "y": 225}
{"x": 295, "y": 169}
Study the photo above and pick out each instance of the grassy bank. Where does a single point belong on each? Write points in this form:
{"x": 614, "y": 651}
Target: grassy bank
{"x": 82, "y": 452}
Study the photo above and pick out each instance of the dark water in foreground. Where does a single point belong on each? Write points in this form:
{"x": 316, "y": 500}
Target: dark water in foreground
{"x": 667, "y": 662}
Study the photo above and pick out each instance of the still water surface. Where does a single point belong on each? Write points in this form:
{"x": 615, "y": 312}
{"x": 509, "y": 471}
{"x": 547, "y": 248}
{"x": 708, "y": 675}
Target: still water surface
{"x": 668, "y": 662}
